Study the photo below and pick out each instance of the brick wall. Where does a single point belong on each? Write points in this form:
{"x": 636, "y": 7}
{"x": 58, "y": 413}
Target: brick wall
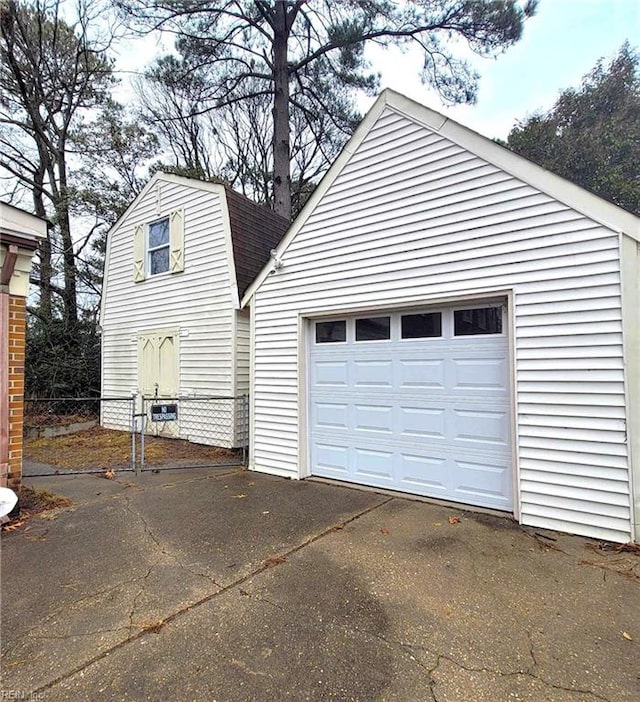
{"x": 17, "y": 320}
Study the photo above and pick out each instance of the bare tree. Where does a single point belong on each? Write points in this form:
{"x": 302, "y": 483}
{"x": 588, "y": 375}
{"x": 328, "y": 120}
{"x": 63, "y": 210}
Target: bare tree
{"x": 233, "y": 142}
{"x": 51, "y": 73}
{"x": 288, "y": 48}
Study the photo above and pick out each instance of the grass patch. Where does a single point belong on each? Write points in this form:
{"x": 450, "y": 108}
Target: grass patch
{"x": 108, "y": 448}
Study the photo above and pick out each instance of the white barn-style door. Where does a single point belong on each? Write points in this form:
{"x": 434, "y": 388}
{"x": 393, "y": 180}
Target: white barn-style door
{"x": 415, "y": 401}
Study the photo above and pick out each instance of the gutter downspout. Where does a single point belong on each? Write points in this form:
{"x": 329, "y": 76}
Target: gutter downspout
{"x": 6, "y": 274}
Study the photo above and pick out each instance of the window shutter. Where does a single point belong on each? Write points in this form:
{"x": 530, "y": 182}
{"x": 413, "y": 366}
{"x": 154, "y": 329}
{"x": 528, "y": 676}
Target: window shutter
{"x": 176, "y": 228}
{"x": 138, "y": 254}
{"x": 147, "y": 363}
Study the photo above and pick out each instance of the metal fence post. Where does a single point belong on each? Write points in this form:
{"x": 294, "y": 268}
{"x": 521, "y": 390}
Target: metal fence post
{"x": 245, "y": 423}
{"x": 142, "y": 433}
{"x": 133, "y": 432}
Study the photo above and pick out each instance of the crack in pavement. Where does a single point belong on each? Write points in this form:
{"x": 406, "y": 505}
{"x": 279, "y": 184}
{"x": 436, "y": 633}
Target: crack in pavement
{"x": 498, "y": 673}
{"x": 163, "y": 553}
{"x": 162, "y": 549}
{"x": 204, "y": 600}
{"x": 30, "y": 633}
{"x": 409, "y": 648}
{"x": 256, "y": 598}
{"x": 74, "y": 605}
{"x": 134, "y": 604}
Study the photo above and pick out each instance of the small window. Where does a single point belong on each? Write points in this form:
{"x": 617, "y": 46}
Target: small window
{"x": 158, "y": 248}
{"x": 483, "y": 320}
{"x": 373, "y": 329}
{"x": 420, "y": 326}
{"x": 331, "y": 332}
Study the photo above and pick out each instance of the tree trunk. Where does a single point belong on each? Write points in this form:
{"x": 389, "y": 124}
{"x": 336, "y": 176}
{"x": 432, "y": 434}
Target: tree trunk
{"x": 281, "y": 130}
{"x": 45, "y": 248}
{"x": 64, "y": 222}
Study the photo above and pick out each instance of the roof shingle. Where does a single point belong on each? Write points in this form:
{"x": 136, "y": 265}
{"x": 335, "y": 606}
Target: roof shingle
{"x": 255, "y": 230}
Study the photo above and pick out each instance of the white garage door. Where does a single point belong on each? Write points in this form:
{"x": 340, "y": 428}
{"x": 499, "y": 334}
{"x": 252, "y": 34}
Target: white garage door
{"x": 416, "y": 402}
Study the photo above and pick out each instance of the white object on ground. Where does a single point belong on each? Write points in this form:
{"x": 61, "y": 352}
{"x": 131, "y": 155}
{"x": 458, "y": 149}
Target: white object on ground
{"x": 8, "y": 499}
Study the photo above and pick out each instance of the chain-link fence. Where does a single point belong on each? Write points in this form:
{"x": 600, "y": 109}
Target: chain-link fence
{"x": 209, "y": 421}
{"x": 65, "y": 434}
{"x": 92, "y": 435}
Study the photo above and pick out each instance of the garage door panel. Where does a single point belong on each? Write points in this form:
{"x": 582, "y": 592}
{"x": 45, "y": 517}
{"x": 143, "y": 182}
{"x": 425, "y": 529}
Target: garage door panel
{"x": 374, "y": 464}
{"x": 376, "y": 418}
{"x": 424, "y": 475}
{"x": 427, "y": 416}
{"x": 424, "y": 422}
{"x": 330, "y": 414}
{"x": 481, "y": 426}
{"x": 330, "y": 373}
{"x": 372, "y": 373}
{"x": 483, "y": 483}
{"x": 479, "y": 374}
{"x": 422, "y": 374}
{"x": 332, "y": 458}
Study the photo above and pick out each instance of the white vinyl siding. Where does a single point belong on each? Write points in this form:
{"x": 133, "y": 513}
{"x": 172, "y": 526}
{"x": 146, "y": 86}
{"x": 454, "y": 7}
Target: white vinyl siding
{"x": 413, "y": 219}
{"x": 198, "y": 302}
{"x": 242, "y": 352}
{"x": 631, "y": 306}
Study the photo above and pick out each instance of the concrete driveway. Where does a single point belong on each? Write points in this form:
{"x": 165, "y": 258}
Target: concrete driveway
{"x": 227, "y": 586}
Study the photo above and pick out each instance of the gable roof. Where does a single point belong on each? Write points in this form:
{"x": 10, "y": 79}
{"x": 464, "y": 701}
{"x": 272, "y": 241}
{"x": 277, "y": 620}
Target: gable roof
{"x": 572, "y": 195}
{"x": 255, "y": 231}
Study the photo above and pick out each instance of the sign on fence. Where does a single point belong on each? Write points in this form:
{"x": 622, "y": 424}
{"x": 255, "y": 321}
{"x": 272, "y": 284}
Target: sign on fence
{"x": 164, "y": 413}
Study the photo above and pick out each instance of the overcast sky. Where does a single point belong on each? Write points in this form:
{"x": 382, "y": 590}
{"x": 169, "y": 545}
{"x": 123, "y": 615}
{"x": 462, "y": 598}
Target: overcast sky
{"x": 560, "y": 44}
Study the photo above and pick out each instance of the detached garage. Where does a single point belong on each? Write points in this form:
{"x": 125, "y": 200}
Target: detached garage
{"x": 446, "y": 319}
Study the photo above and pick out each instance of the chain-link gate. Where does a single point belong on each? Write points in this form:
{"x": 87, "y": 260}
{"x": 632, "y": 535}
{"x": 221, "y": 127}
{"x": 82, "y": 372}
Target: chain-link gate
{"x": 66, "y": 435}
{"x": 218, "y": 425}
{"x": 99, "y": 434}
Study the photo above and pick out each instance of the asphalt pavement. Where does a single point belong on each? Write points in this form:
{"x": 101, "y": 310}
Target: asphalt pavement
{"x": 222, "y": 585}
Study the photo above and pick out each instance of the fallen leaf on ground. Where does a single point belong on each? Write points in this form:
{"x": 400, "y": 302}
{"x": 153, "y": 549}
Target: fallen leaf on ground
{"x": 153, "y": 628}
{"x": 51, "y": 514}
{"x": 109, "y": 474}
{"x": 35, "y": 537}
{"x": 626, "y": 635}
{"x": 436, "y": 523}
{"x": 384, "y": 531}
{"x": 632, "y": 548}
{"x": 275, "y": 560}
{"x": 454, "y": 520}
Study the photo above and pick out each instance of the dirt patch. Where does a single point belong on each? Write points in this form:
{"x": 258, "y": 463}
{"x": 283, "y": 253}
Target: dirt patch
{"x": 107, "y": 448}
{"x": 493, "y": 522}
{"x": 623, "y": 559}
{"x": 37, "y": 502}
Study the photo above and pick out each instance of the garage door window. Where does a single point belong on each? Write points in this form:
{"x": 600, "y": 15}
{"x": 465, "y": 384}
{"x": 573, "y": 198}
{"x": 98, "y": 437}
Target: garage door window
{"x": 482, "y": 320}
{"x": 373, "y": 329}
{"x": 421, "y": 326}
{"x": 331, "y": 332}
